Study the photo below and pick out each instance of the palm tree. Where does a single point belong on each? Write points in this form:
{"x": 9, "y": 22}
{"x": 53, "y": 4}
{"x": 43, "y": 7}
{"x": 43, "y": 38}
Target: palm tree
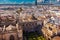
{"x": 18, "y": 12}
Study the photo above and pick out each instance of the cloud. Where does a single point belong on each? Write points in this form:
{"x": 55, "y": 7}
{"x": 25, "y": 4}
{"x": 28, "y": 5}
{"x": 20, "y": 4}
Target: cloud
{"x": 22, "y": 2}
{"x": 39, "y": 0}
{"x": 58, "y": 0}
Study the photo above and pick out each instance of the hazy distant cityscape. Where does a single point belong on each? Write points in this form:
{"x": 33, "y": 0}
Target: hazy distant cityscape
{"x": 30, "y": 20}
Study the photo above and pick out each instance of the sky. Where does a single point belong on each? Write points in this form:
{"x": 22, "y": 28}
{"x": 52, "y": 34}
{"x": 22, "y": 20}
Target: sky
{"x": 16, "y": 1}
{"x": 23, "y": 1}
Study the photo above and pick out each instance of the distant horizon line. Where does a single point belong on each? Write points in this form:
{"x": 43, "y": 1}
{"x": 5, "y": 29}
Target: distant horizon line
{"x": 29, "y": 4}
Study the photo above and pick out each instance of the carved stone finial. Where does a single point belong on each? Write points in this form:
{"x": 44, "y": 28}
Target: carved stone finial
{"x": 4, "y": 28}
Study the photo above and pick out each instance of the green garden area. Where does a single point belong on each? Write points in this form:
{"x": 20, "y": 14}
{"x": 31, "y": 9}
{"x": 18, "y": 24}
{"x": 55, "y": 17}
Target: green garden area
{"x": 34, "y": 36}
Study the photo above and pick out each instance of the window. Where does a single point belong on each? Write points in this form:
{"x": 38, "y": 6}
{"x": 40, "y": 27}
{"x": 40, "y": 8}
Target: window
{"x": 12, "y": 37}
{"x": 50, "y": 28}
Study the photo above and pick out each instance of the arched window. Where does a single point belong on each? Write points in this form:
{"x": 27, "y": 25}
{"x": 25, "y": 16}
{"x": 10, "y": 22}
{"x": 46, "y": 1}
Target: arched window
{"x": 50, "y": 28}
{"x": 12, "y": 37}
